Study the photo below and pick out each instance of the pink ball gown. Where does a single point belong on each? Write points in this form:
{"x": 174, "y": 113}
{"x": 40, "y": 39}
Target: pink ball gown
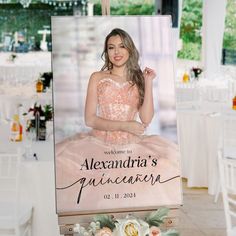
{"x": 115, "y": 170}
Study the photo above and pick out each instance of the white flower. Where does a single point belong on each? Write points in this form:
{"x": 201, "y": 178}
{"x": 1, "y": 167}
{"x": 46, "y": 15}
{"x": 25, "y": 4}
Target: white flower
{"x": 93, "y": 227}
{"x": 80, "y": 230}
{"x": 128, "y": 227}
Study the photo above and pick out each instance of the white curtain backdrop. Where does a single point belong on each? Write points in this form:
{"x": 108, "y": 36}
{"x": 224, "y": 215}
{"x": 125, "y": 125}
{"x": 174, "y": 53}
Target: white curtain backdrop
{"x": 212, "y": 35}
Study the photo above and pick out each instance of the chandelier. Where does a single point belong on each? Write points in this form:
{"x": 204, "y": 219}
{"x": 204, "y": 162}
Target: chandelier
{"x": 25, "y": 3}
{"x": 63, "y": 4}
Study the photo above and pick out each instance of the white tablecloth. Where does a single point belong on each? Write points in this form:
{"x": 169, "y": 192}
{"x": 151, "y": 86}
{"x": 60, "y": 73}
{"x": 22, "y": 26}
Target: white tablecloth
{"x": 37, "y": 182}
{"x": 26, "y": 66}
{"x": 11, "y": 97}
{"x": 213, "y": 143}
{"x": 200, "y": 137}
{"x": 199, "y": 105}
{"x": 191, "y": 128}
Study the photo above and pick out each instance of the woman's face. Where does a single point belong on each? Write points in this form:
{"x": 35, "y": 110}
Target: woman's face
{"x": 117, "y": 53}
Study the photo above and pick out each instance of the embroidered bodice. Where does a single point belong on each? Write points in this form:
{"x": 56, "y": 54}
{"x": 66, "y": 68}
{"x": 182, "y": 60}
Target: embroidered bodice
{"x": 119, "y": 102}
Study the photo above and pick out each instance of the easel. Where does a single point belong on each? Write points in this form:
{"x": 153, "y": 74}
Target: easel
{"x": 105, "y": 7}
{"x": 67, "y": 222}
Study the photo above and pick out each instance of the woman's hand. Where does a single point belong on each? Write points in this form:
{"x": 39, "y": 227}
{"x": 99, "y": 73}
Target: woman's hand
{"x": 146, "y": 111}
{"x": 149, "y": 74}
{"x": 134, "y": 127}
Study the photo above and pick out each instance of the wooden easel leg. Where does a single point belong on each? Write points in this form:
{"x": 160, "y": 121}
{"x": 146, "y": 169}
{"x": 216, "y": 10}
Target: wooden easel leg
{"x": 105, "y": 7}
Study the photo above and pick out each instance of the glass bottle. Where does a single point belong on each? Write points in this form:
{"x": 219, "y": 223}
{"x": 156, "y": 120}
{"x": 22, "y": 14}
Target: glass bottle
{"x": 21, "y": 132}
{"x": 19, "y": 112}
{"x": 16, "y": 129}
{"x": 186, "y": 77}
{"x": 234, "y": 103}
{"x": 39, "y": 86}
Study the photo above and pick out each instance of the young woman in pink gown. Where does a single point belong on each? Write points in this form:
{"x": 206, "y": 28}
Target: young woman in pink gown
{"x": 92, "y": 169}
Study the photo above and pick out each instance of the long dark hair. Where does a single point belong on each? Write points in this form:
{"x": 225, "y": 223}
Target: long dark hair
{"x": 134, "y": 72}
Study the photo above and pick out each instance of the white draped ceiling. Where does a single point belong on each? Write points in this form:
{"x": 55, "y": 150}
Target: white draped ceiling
{"x": 214, "y": 12}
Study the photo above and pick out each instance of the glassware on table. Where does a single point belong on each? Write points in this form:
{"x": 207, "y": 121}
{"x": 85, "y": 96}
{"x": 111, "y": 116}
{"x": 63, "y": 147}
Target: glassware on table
{"x": 49, "y": 129}
{"x": 30, "y": 138}
{"x": 42, "y": 129}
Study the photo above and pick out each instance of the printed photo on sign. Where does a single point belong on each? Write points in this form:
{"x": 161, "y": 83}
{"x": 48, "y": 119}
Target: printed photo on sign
{"x": 115, "y": 120}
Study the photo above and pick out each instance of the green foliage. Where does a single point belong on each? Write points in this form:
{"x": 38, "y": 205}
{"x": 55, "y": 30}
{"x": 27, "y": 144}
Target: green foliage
{"x": 97, "y": 9}
{"x": 190, "y": 51}
{"x": 191, "y": 21}
{"x": 129, "y": 9}
{"x": 105, "y": 221}
{"x": 142, "y": 9}
{"x": 230, "y": 26}
{"x": 170, "y": 232}
{"x": 15, "y": 18}
{"x": 48, "y": 112}
{"x": 156, "y": 218}
{"x": 190, "y": 29}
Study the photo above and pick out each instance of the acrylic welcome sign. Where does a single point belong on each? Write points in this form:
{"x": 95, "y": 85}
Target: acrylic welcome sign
{"x": 115, "y": 137}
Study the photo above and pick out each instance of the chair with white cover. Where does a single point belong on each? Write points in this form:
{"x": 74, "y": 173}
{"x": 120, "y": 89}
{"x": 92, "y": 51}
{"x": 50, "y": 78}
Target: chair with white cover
{"x": 228, "y": 140}
{"x": 15, "y": 215}
{"x": 229, "y": 134}
{"x": 187, "y": 95}
{"x": 227, "y": 167}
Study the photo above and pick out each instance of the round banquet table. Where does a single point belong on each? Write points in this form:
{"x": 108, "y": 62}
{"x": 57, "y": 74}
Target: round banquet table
{"x": 36, "y": 181}
{"x": 200, "y": 137}
{"x": 25, "y": 67}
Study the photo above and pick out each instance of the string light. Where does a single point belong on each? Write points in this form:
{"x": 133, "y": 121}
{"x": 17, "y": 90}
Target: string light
{"x": 63, "y": 3}
{"x": 56, "y": 3}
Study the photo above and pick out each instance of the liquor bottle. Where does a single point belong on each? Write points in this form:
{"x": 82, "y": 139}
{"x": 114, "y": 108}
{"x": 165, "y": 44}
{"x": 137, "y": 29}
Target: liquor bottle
{"x": 186, "y": 77}
{"x": 19, "y": 112}
{"x": 234, "y": 103}
{"x": 21, "y": 132}
{"x": 42, "y": 129}
{"x": 39, "y": 86}
{"x": 16, "y": 129}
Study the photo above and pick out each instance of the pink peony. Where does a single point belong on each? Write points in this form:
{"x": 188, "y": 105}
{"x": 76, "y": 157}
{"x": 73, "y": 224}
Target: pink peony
{"x": 155, "y": 231}
{"x": 104, "y": 232}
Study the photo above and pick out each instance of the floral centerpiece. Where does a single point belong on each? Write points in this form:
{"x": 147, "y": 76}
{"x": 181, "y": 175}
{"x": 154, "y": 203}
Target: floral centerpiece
{"x": 196, "y": 71}
{"x": 45, "y": 111}
{"x": 106, "y": 225}
{"x": 46, "y": 78}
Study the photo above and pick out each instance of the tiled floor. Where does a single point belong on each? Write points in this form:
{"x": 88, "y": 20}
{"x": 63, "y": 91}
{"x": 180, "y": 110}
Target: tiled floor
{"x": 199, "y": 215}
